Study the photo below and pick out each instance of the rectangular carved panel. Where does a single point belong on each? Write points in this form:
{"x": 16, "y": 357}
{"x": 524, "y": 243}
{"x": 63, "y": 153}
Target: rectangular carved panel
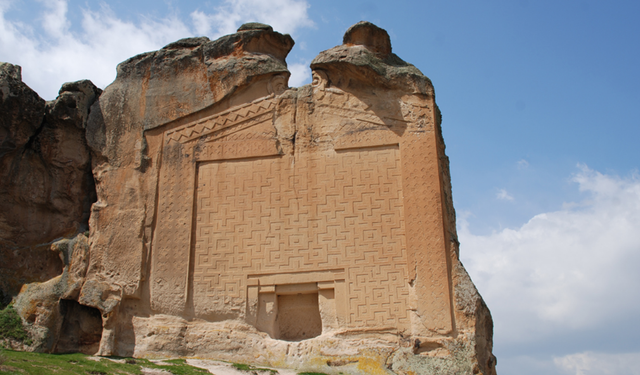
{"x": 170, "y": 262}
{"x": 307, "y": 212}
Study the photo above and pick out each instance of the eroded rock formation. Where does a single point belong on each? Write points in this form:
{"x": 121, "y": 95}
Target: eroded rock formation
{"x": 46, "y": 184}
{"x": 240, "y": 219}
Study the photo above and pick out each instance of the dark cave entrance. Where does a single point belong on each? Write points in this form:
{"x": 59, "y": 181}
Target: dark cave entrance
{"x": 81, "y": 329}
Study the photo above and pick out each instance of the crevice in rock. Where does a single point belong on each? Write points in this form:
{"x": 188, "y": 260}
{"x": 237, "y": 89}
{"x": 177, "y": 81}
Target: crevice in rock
{"x": 32, "y": 143}
{"x": 293, "y": 142}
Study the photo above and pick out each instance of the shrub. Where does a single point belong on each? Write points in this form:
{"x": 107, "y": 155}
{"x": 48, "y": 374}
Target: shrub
{"x": 11, "y": 327}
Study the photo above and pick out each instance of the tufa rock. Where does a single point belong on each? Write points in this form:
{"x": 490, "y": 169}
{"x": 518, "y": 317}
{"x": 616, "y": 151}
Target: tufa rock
{"x": 365, "y": 59}
{"x": 255, "y": 26}
{"x": 239, "y": 219}
{"x": 370, "y": 36}
{"x": 21, "y": 108}
{"x": 46, "y": 183}
{"x": 187, "y": 43}
{"x": 42, "y": 305}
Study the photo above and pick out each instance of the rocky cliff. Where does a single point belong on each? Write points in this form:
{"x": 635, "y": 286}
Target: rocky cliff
{"x": 239, "y": 219}
{"x": 46, "y": 183}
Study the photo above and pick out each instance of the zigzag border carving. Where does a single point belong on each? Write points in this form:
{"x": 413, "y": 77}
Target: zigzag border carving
{"x": 222, "y": 120}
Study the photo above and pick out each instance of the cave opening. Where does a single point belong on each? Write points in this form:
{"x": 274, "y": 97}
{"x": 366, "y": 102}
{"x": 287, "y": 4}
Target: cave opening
{"x": 81, "y": 329}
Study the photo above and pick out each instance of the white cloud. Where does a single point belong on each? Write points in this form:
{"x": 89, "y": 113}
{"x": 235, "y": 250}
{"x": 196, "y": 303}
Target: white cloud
{"x": 285, "y": 16}
{"x": 300, "y": 74}
{"x": 593, "y": 363}
{"x": 503, "y": 195}
{"x": 54, "y": 19}
{"x": 563, "y": 271}
{"x": 60, "y": 53}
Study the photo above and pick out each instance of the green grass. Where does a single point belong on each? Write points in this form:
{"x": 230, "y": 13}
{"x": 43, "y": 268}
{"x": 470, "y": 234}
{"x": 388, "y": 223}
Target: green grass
{"x": 249, "y": 368}
{"x": 80, "y": 364}
{"x": 180, "y": 367}
{"x": 11, "y": 326}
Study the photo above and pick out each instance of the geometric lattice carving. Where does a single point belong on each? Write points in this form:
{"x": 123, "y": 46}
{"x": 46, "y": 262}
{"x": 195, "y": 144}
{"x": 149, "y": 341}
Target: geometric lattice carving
{"x": 318, "y": 211}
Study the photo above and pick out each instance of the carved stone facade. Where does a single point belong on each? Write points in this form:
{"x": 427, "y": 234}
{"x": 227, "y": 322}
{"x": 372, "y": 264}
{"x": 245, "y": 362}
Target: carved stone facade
{"x": 310, "y": 227}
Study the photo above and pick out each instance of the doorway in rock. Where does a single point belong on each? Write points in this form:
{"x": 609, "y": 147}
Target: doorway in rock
{"x": 81, "y": 329}
{"x": 298, "y": 316}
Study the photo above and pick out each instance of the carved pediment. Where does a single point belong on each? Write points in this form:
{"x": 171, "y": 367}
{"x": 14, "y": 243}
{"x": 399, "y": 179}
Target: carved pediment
{"x": 226, "y": 123}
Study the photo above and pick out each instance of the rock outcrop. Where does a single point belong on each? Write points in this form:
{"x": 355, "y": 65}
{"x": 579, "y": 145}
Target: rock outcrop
{"x": 51, "y": 307}
{"x": 46, "y": 183}
{"x": 240, "y": 219}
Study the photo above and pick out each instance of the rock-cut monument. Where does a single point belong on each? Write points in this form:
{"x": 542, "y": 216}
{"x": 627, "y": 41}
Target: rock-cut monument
{"x": 239, "y": 219}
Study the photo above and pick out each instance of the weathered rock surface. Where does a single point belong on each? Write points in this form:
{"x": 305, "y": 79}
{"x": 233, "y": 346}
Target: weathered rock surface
{"x": 46, "y": 183}
{"x": 49, "y": 306}
{"x": 365, "y": 60}
{"x": 239, "y": 219}
{"x": 185, "y": 80}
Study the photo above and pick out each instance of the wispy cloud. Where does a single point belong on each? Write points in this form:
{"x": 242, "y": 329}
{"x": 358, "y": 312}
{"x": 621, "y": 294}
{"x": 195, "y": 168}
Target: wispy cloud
{"x": 523, "y": 164}
{"x": 300, "y": 74}
{"x": 593, "y": 363}
{"x": 60, "y": 52}
{"x": 285, "y": 16}
{"x": 565, "y": 271}
{"x": 503, "y": 195}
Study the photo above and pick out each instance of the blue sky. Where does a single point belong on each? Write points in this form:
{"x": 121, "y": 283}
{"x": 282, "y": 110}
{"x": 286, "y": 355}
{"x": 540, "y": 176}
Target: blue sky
{"x": 541, "y": 109}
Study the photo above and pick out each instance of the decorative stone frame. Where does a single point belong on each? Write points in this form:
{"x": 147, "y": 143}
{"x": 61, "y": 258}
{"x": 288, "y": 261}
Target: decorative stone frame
{"x": 263, "y": 291}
